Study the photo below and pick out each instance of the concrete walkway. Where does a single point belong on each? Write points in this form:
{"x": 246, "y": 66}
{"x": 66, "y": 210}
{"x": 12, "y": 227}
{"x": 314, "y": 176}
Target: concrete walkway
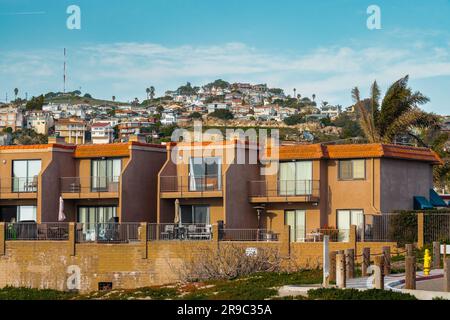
{"x": 428, "y": 287}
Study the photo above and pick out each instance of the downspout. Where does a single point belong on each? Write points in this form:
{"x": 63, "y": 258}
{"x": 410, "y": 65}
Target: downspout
{"x": 373, "y": 186}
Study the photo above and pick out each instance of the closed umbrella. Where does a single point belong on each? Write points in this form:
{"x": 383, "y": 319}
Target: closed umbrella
{"x": 177, "y": 219}
{"x": 61, "y": 215}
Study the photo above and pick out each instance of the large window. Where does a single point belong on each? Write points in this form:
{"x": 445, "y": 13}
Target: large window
{"x": 195, "y": 214}
{"x": 352, "y": 169}
{"x": 25, "y": 175}
{"x": 295, "y": 178}
{"x": 205, "y": 174}
{"x": 347, "y": 218}
{"x": 105, "y": 174}
{"x": 296, "y": 219}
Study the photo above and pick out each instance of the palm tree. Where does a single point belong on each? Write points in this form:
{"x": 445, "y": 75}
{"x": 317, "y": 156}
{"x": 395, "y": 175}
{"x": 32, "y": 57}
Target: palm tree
{"x": 148, "y": 91}
{"x": 398, "y": 113}
{"x": 113, "y": 98}
{"x": 16, "y": 92}
{"x": 152, "y": 92}
{"x": 295, "y": 91}
{"x": 314, "y": 96}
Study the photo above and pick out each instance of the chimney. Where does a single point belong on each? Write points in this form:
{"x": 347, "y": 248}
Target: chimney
{"x": 137, "y": 138}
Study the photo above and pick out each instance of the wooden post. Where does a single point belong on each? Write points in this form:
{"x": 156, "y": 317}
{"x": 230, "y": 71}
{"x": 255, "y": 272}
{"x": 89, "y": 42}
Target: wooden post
{"x": 332, "y": 266}
{"x": 420, "y": 223}
{"x": 2, "y": 238}
{"x": 143, "y": 239}
{"x": 326, "y": 261}
{"x": 365, "y": 261}
{"x": 410, "y": 272}
{"x": 436, "y": 255}
{"x": 353, "y": 237}
{"x": 340, "y": 271}
{"x": 349, "y": 263}
{"x": 409, "y": 250}
{"x": 387, "y": 260}
{"x": 379, "y": 280}
{"x": 447, "y": 275}
{"x": 72, "y": 238}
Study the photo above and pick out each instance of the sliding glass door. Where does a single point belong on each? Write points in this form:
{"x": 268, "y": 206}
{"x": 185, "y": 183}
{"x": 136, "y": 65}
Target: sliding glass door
{"x": 295, "y": 178}
{"x": 205, "y": 174}
{"x": 195, "y": 214}
{"x": 347, "y": 218}
{"x": 96, "y": 221}
{"x": 25, "y": 175}
{"x": 105, "y": 174}
{"x": 296, "y": 219}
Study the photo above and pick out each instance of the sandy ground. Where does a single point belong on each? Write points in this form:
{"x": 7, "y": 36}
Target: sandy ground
{"x": 431, "y": 285}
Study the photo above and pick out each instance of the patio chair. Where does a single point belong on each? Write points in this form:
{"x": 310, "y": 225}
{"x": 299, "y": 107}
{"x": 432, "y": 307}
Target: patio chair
{"x": 168, "y": 232}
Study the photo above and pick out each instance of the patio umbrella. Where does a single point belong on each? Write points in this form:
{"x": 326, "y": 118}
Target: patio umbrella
{"x": 177, "y": 212}
{"x": 61, "y": 215}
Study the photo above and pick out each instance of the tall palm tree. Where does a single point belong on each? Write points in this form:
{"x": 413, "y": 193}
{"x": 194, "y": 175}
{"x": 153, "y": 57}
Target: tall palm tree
{"x": 16, "y": 92}
{"x": 397, "y": 114}
{"x": 152, "y": 92}
{"x": 148, "y": 91}
{"x": 295, "y": 91}
{"x": 314, "y": 96}
{"x": 113, "y": 98}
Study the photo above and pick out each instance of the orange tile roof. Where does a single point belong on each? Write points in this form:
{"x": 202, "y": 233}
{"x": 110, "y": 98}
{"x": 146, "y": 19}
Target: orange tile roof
{"x": 36, "y": 146}
{"x": 348, "y": 151}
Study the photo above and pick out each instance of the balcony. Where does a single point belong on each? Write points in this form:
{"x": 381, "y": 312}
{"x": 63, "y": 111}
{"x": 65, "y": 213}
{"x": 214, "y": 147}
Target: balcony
{"x": 191, "y": 186}
{"x": 90, "y": 187}
{"x": 19, "y": 188}
{"x": 284, "y": 191}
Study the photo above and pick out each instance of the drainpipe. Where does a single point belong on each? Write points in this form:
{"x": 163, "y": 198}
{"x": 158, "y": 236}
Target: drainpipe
{"x": 373, "y": 186}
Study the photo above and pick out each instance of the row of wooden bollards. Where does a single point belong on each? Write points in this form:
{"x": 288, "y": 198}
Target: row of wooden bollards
{"x": 411, "y": 266}
{"x": 342, "y": 266}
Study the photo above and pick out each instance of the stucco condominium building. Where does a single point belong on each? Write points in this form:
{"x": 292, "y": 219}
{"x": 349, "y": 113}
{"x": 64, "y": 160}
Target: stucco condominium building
{"x": 309, "y": 187}
{"x": 97, "y": 183}
{"x": 73, "y": 130}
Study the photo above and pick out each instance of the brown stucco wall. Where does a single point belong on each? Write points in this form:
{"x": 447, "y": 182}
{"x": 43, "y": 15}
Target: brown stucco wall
{"x": 139, "y": 185}
{"x": 401, "y": 181}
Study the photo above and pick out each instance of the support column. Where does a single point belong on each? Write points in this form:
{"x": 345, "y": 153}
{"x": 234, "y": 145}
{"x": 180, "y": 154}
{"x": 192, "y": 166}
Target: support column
{"x": 2, "y": 238}
{"x": 420, "y": 223}
{"x": 143, "y": 239}
{"x": 379, "y": 278}
{"x": 333, "y": 266}
{"x": 72, "y": 238}
{"x": 447, "y": 275}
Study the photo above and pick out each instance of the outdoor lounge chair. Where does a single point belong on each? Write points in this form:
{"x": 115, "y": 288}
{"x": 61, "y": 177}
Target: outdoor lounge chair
{"x": 168, "y": 232}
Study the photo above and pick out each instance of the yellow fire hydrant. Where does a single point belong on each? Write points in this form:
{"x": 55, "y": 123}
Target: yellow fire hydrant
{"x": 426, "y": 262}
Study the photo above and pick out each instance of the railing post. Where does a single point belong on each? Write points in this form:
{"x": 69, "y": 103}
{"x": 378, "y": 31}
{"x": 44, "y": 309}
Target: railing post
{"x": 365, "y": 261}
{"x": 2, "y": 238}
{"x": 215, "y": 231}
{"x": 352, "y": 237}
{"x": 436, "y": 254}
{"x": 420, "y": 229}
{"x": 285, "y": 240}
{"x": 143, "y": 239}
{"x": 72, "y": 238}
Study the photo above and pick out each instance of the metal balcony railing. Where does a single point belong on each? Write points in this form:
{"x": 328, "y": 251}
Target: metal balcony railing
{"x": 179, "y": 231}
{"x": 19, "y": 185}
{"x": 54, "y": 231}
{"x": 89, "y": 184}
{"x": 310, "y": 189}
{"x": 186, "y": 184}
{"x": 108, "y": 232}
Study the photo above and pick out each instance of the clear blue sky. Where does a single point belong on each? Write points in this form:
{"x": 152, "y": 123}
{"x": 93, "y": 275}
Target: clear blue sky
{"x": 323, "y": 48}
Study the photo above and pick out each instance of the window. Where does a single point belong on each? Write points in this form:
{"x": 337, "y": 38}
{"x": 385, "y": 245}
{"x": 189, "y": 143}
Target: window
{"x": 347, "y": 218}
{"x": 352, "y": 169}
{"x": 25, "y": 173}
{"x": 205, "y": 174}
{"x": 195, "y": 214}
{"x": 105, "y": 173}
{"x": 295, "y": 178}
{"x": 296, "y": 219}
{"x": 26, "y": 213}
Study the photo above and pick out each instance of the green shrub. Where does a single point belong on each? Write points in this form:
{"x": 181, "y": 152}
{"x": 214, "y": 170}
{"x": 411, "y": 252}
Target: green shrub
{"x": 354, "y": 294}
{"x": 11, "y": 293}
